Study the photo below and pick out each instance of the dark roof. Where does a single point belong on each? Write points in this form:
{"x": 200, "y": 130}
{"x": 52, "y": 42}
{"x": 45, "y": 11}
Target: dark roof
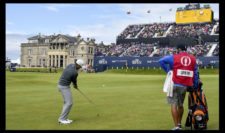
{"x": 34, "y": 37}
{"x": 101, "y": 44}
{"x": 51, "y": 37}
{"x": 70, "y": 38}
{"x": 38, "y": 37}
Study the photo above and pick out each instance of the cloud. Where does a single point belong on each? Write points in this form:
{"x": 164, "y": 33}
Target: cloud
{"x": 100, "y": 32}
{"x": 110, "y": 25}
{"x": 52, "y": 8}
{"x": 16, "y": 61}
{"x": 139, "y": 11}
{"x": 56, "y": 7}
{"x": 9, "y": 22}
{"x": 13, "y": 42}
{"x": 14, "y": 32}
{"x": 140, "y": 15}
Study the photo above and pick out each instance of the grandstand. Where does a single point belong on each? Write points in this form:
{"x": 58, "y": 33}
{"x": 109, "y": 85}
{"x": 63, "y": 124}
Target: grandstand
{"x": 158, "y": 39}
{"x": 194, "y": 26}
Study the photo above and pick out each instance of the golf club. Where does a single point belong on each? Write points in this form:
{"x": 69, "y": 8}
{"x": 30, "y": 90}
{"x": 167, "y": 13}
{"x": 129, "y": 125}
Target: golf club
{"x": 87, "y": 98}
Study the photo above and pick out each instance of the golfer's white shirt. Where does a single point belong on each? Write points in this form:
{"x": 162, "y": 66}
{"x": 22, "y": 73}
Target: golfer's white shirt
{"x": 168, "y": 85}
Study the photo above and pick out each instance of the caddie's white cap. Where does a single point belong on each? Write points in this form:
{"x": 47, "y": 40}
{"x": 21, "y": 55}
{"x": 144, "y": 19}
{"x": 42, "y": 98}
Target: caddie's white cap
{"x": 80, "y": 62}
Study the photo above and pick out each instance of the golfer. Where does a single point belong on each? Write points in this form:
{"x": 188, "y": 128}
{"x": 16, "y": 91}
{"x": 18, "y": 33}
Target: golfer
{"x": 184, "y": 68}
{"x": 69, "y": 75}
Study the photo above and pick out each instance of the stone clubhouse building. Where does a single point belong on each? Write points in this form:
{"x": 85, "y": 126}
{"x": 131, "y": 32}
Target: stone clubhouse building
{"x": 56, "y": 51}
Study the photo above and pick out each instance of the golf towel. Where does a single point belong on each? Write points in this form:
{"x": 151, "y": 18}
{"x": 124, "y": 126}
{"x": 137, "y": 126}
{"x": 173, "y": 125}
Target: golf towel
{"x": 168, "y": 85}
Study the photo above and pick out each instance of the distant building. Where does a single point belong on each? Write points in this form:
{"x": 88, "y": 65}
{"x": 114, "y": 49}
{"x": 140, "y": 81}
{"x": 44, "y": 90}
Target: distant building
{"x": 7, "y": 63}
{"x": 56, "y": 51}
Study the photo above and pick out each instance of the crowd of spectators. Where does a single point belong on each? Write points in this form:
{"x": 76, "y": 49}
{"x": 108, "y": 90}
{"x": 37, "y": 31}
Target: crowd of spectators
{"x": 199, "y": 50}
{"x": 127, "y": 49}
{"x": 190, "y": 30}
{"x": 159, "y": 29}
{"x": 139, "y": 49}
{"x": 216, "y": 51}
{"x": 131, "y": 31}
{"x": 217, "y": 29}
{"x": 101, "y": 51}
{"x": 153, "y": 50}
{"x": 162, "y": 51}
{"x": 156, "y": 28}
{"x": 146, "y": 30}
{"x": 112, "y": 50}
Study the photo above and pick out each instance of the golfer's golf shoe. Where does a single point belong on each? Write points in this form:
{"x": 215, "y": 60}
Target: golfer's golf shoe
{"x": 65, "y": 121}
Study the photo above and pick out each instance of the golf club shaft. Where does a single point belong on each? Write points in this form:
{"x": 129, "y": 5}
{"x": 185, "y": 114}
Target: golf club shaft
{"x": 85, "y": 96}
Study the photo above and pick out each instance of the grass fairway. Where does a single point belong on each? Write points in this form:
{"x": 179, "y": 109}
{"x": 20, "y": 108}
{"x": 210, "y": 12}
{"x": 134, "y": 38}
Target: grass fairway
{"x": 131, "y": 102}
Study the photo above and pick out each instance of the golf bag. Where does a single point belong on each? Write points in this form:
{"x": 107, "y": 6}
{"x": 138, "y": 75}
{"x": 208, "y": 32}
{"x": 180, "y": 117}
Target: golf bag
{"x": 198, "y": 109}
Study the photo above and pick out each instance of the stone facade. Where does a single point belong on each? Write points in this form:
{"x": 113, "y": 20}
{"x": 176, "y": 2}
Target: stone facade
{"x": 56, "y": 51}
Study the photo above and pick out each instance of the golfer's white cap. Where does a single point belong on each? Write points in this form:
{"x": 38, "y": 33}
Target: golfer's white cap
{"x": 80, "y": 62}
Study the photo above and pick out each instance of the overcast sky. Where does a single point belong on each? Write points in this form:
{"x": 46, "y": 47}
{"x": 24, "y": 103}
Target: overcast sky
{"x": 100, "y": 21}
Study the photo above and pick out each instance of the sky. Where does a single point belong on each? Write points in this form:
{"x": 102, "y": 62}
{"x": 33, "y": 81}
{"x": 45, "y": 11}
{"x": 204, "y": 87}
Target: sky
{"x": 104, "y": 22}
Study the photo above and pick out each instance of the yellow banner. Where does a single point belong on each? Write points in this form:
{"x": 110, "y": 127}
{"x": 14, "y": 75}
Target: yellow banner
{"x": 194, "y": 16}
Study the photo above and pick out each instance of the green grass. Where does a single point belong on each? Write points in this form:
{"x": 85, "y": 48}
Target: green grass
{"x": 124, "y": 101}
{"x": 156, "y": 71}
